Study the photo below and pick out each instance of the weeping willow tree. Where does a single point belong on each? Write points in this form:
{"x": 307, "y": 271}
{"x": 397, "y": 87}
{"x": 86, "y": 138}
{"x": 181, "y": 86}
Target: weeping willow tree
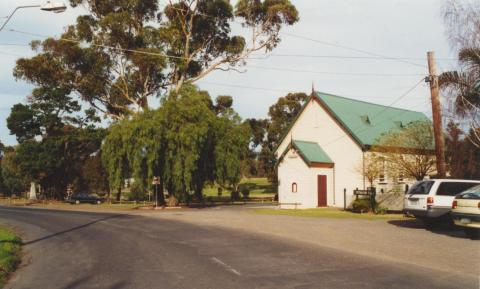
{"x": 188, "y": 142}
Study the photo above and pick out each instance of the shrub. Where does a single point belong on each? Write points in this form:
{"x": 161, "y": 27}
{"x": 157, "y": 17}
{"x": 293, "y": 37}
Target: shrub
{"x": 219, "y": 191}
{"x": 381, "y": 210}
{"x": 361, "y": 205}
{"x": 235, "y": 196}
{"x": 245, "y": 193}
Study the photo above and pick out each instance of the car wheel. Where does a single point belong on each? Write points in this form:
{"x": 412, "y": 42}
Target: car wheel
{"x": 77, "y": 202}
{"x": 472, "y": 233}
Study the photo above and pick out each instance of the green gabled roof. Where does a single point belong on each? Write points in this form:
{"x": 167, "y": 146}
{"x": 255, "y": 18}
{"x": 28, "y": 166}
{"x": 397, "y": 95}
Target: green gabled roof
{"x": 365, "y": 121}
{"x": 311, "y": 152}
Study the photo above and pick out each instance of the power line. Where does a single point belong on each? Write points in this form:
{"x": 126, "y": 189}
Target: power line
{"x": 357, "y": 97}
{"x": 350, "y": 48}
{"x": 11, "y": 54}
{"x": 181, "y": 57}
{"x": 265, "y": 56}
{"x": 322, "y": 42}
{"x": 335, "y": 73}
{"x": 101, "y": 45}
{"x": 14, "y": 44}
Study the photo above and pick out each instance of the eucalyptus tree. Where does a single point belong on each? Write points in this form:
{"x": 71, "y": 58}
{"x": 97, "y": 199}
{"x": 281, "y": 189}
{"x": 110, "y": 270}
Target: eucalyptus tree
{"x": 122, "y": 53}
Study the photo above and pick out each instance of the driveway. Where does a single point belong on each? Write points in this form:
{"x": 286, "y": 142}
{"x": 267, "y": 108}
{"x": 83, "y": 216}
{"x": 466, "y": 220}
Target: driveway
{"x": 225, "y": 248}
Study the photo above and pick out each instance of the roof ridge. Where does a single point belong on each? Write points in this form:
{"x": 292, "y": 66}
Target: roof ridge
{"x": 305, "y": 141}
{"x": 363, "y": 101}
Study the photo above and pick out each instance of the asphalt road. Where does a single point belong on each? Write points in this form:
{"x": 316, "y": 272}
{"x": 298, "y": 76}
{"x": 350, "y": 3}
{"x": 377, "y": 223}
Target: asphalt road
{"x": 110, "y": 251}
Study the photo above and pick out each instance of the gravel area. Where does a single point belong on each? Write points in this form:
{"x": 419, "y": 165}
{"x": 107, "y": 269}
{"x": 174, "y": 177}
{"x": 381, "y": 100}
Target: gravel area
{"x": 404, "y": 241}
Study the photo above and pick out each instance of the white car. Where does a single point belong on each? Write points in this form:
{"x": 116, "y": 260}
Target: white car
{"x": 432, "y": 199}
{"x": 466, "y": 211}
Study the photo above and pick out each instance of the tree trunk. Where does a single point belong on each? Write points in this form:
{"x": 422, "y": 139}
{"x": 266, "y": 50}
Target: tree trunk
{"x": 119, "y": 193}
{"x": 160, "y": 192}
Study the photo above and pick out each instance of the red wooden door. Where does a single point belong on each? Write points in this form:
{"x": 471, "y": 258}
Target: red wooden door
{"x": 322, "y": 190}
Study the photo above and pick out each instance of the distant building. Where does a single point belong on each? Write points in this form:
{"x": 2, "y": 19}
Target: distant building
{"x": 319, "y": 154}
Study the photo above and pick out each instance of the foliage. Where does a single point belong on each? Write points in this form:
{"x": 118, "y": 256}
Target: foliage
{"x": 245, "y": 192}
{"x": 187, "y": 142}
{"x": 381, "y": 210}
{"x": 258, "y": 187}
{"x": 370, "y": 167}
{"x": 231, "y": 148}
{"x": 281, "y": 115}
{"x": 188, "y": 120}
{"x": 410, "y": 149}
{"x": 55, "y": 162}
{"x": 121, "y": 53}
{"x": 94, "y": 175}
{"x": 14, "y": 181}
{"x": 462, "y": 157}
{"x": 362, "y": 205}
{"x": 463, "y": 85}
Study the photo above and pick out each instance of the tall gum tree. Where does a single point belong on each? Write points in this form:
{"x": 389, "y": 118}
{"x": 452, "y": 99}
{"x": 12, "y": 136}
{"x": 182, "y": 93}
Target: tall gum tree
{"x": 122, "y": 53}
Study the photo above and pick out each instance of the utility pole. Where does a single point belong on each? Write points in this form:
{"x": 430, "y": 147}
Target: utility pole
{"x": 436, "y": 115}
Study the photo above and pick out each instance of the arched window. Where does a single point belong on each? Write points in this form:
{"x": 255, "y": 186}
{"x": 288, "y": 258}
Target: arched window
{"x": 294, "y": 187}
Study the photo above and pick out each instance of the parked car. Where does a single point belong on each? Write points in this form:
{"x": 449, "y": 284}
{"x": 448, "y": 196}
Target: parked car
{"x": 466, "y": 211}
{"x": 85, "y": 198}
{"x": 432, "y": 199}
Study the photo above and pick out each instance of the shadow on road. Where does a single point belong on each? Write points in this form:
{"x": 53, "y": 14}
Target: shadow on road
{"x": 437, "y": 228}
{"x": 71, "y": 229}
{"x": 80, "y": 283}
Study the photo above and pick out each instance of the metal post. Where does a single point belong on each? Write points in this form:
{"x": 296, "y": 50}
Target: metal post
{"x": 344, "y": 199}
{"x": 156, "y": 195}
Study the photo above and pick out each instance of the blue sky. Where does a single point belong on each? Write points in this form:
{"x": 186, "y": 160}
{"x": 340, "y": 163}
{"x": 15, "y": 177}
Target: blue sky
{"x": 395, "y": 28}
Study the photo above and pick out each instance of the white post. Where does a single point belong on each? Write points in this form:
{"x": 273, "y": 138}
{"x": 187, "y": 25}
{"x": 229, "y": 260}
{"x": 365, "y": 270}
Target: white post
{"x": 33, "y": 191}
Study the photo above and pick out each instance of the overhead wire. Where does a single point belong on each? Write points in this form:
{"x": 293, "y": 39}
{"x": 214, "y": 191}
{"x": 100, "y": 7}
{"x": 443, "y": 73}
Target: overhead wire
{"x": 351, "y": 48}
{"x": 181, "y": 57}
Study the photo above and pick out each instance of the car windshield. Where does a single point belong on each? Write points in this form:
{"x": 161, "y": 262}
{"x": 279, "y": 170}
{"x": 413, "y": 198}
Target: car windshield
{"x": 420, "y": 188}
{"x": 472, "y": 193}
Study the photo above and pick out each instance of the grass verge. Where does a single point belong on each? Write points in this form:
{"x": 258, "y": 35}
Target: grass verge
{"x": 327, "y": 213}
{"x": 9, "y": 254}
{"x": 258, "y": 187}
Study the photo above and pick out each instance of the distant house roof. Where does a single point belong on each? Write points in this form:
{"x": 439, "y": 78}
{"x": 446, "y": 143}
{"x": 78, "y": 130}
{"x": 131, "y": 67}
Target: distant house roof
{"x": 365, "y": 121}
{"x": 311, "y": 153}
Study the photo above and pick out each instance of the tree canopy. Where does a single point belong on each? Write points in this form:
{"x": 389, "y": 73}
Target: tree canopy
{"x": 410, "y": 149}
{"x": 122, "y": 53}
{"x": 187, "y": 142}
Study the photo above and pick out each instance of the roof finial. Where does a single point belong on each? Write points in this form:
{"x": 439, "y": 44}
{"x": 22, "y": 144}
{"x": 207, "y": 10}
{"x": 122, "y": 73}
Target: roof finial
{"x": 313, "y": 88}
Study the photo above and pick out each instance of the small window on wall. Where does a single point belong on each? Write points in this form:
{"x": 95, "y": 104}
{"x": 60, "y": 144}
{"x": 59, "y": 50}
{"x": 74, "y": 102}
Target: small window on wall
{"x": 294, "y": 187}
{"x": 381, "y": 178}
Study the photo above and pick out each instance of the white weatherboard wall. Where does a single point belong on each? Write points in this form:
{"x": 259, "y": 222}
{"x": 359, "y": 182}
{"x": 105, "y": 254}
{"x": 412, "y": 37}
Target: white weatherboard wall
{"x": 293, "y": 169}
{"x": 316, "y": 125}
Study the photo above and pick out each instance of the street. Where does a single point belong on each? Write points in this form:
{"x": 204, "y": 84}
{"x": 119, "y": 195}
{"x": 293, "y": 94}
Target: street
{"x": 66, "y": 249}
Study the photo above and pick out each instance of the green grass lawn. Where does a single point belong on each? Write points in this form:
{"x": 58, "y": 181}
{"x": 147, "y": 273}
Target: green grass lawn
{"x": 327, "y": 213}
{"x": 259, "y": 187}
{"x": 9, "y": 254}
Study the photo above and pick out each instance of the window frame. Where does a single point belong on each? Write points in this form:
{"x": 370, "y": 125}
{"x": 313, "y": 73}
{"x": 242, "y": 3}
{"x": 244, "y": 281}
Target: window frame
{"x": 294, "y": 188}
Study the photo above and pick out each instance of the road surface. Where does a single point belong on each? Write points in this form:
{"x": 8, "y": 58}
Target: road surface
{"x": 67, "y": 250}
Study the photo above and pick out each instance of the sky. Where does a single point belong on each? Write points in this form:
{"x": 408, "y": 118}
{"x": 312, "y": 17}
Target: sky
{"x": 322, "y": 50}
